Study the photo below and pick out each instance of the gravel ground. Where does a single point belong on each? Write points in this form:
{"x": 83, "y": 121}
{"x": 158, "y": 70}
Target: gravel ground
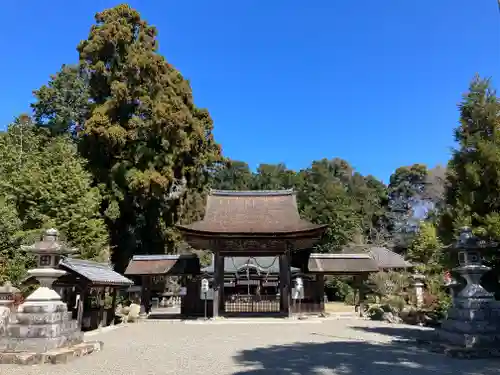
{"x": 331, "y": 347}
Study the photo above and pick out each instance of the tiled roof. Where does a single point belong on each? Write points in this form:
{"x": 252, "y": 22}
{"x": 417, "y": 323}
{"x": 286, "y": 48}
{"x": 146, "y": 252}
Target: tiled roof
{"x": 251, "y": 212}
{"x": 96, "y": 273}
{"x": 385, "y": 258}
{"x": 261, "y": 264}
{"x": 163, "y": 264}
{"x": 341, "y": 263}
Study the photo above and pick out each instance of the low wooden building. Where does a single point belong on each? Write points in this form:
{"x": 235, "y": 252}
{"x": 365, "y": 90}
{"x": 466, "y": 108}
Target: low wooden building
{"x": 90, "y": 290}
{"x": 152, "y": 273}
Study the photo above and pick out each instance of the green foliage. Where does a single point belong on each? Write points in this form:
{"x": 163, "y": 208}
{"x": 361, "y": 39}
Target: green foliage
{"x": 233, "y": 175}
{"x": 473, "y": 175}
{"x": 375, "y": 312}
{"x": 10, "y": 225}
{"x": 390, "y": 283}
{"x": 341, "y": 287}
{"x": 427, "y": 249}
{"x": 406, "y": 188}
{"x": 137, "y": 125}
{"x": 63, "y": 104}
{"x": 44, "y": 183}
{"x": 329, "y": 192}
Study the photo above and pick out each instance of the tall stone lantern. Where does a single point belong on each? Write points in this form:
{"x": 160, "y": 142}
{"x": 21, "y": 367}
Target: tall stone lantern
{"x": 473, "y": 323}
{"x": 48, "y": 252}
{"x": 42, "y": 321}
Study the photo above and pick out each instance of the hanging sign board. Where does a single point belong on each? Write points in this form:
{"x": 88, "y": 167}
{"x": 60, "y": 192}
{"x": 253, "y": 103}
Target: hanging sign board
{"x": 208, "y": 295}
{"x": 204, "y": 285}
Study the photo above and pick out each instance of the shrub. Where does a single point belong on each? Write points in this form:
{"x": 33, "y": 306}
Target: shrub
{"x": 375, "y": 312}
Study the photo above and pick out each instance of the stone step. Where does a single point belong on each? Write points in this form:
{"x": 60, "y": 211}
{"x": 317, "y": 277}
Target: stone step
{"x": 472, "y": 326}
{"x": 50, "y": 330}
{"x": 39, "y": 345}
{"x": 43, "y": 318}
{"x": 52, "y": 356}
{"x": 43, "y": 307}
{"x": 468, "y": 340}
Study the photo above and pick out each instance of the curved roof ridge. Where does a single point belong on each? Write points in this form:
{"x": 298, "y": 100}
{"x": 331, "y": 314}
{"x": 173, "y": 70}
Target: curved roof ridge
{"x": 251, "y": 193}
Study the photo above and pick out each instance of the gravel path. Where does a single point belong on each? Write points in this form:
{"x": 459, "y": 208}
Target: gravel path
{"x": 332, "y": 347}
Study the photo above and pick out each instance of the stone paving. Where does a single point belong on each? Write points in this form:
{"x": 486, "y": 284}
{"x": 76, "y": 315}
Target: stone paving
{"x": 345, "y": 346}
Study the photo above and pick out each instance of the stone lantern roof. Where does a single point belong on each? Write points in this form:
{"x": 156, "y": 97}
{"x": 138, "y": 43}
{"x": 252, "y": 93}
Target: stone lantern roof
{"x": 49, "y": 245}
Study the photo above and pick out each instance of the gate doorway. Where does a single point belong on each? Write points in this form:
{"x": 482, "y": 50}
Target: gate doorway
{"x": 253, "y": 287}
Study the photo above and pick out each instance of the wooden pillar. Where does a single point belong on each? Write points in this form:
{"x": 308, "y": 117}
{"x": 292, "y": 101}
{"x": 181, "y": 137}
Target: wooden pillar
{"x": 285, "y": 284}
{"x": 320, "y": 280}
{"x": 362, "y": 292}
{"x": 218, "y": 284}
{"x": 113, "y": 304}
{"x": 81, "y": 301}
{"x": 145, "y": 293}
{"x": 102, "y": 315}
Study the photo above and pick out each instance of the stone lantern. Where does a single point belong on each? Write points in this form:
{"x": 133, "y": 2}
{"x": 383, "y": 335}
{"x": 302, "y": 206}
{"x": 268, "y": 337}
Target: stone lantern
{"x": 8, "y": 294}
{"x": 48, "y": 252}
{"x": 418, "y": 284}
{"x": 42, "y": 321}
{"x": 473, "y": 323}
{"x": 471, "y": 266}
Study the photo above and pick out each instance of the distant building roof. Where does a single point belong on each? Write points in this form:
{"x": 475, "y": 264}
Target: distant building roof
{"x": 181, "y": 264}
{"x": 96, "y": 273}
{"x": 262, "y": 264}
{"x": 342, "y": 263}
{"x": 385, "y": 258}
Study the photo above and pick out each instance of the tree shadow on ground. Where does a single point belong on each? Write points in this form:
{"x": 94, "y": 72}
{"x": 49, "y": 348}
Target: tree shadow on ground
{"x": 356, "y": 357}
{"x": 399, "y": 333}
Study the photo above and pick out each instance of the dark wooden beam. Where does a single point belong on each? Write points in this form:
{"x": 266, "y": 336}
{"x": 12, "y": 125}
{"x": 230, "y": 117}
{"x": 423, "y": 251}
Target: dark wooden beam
{"x": 218, "y": 284}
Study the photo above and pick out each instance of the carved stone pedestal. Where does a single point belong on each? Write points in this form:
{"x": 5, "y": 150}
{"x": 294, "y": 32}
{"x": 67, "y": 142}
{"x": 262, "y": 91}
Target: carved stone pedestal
{"x": 42, "y": 323}
{"x": 472, "y": 329}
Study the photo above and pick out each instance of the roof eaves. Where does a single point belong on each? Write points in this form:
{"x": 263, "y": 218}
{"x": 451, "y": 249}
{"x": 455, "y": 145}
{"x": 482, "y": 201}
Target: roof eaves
{"x": 251, "y": 193}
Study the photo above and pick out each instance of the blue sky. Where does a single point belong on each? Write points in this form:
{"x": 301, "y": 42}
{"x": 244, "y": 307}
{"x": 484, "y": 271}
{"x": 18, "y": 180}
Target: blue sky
{"x": 374, "y": 82}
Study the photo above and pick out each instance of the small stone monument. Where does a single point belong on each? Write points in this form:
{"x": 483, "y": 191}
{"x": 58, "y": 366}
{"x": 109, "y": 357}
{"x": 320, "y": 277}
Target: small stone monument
{"x": 42, "y": 330}
{"x": 472, "y": 328}
{"x": 418, "y": 284}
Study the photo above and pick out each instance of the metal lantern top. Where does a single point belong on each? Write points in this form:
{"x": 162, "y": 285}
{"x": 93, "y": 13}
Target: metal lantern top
{"x": 49, "y": 250}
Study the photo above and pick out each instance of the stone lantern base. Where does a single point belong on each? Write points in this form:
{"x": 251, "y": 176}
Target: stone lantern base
{"x": 473, "y": 324}
{"x": 42, "y": 323}
{"x": 472, "y": 330}
{"x": 43, "y": 331}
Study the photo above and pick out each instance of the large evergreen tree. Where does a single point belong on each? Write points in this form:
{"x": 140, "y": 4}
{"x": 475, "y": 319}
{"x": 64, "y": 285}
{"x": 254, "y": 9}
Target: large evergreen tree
{"x": 143, "y": 133}
{"x": 473, "y": 189}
